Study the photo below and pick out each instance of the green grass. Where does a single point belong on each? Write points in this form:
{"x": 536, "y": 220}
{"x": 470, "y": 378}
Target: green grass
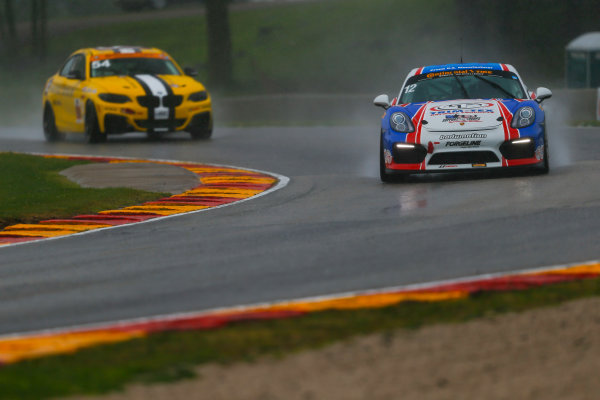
{"x": 587, "y": 123}
{"x": 171, "y": 356}
{"x": 31, "y": 189}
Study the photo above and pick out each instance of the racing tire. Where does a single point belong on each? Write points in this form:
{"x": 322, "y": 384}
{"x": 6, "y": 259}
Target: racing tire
{"x": 51, "y": 133}
{"x": 545, "y": 168}
{"x": 91, "y": 126}
{"x": 202, "y": 131}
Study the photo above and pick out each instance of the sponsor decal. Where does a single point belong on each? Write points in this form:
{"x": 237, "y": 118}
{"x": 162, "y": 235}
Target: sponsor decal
{"x": 476, "y": 111}
{"x": 461, "y": 67}
{"x": 461, "y": 118}
{"x": 387, "y": 156}
{"x": 461, "y": 106}
{"x": 464, "y": 143}
{"x": 447, "y": 166}
{"x": 459, "y": 72}
{"x": 78, "y": 110}
{"x": 539, "y": 152}
{"x": 455, "y": 136}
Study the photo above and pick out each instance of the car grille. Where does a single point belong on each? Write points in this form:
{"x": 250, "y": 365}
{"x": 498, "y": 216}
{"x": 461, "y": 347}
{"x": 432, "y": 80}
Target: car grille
{"x": 463, "y": 157}
{"x": 154, "y": 101}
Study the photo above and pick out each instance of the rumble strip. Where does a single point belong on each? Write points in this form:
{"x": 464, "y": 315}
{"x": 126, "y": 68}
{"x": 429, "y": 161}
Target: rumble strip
{"x": 17, "y": 347}
{"x": 218, "y": 186}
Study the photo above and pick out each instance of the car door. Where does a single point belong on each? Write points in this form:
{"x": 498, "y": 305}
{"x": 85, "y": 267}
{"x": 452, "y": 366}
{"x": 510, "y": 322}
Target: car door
{"x": 73, "y": 101}
{"x": 57, "y": 93}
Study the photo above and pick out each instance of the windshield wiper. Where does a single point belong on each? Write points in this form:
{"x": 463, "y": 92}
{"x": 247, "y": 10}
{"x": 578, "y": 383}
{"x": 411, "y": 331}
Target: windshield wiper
{"x": 497, "y": 86}
{"x": 464, "y": 90}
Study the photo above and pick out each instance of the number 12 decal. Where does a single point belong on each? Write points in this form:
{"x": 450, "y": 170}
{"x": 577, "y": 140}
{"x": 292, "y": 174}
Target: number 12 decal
{"x": 410, "y": 88}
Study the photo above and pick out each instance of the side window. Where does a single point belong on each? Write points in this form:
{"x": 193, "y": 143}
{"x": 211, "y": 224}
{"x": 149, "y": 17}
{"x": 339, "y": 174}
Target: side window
{"x": 64, "y": 71}
{"x": 79, "y": 65}
{"x": 74, "y": 64}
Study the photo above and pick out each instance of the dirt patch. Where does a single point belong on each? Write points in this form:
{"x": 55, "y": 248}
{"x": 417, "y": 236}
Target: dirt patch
{"x": 151, "y": 177}
{"x": 551, "y": 353}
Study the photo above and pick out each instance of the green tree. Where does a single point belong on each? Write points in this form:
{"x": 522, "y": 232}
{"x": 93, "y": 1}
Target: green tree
{"x": 38, "y": 27}
{"x": 220, "y": 63}
{"x": 10, "y": 38}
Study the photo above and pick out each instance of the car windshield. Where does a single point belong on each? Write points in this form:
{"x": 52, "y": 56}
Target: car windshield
{"x": 452, "y": 85}
{"x": 132, "y": 66}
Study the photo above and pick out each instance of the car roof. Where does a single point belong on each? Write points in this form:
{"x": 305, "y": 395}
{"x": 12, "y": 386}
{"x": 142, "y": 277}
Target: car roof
{"x": 123, "y": 50}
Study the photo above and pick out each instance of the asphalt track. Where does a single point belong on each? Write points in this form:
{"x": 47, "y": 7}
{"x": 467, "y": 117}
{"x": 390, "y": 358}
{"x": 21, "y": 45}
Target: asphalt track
{"x": 334, "y": 228}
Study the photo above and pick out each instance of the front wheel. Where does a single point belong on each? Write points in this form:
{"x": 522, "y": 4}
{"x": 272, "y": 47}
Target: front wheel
{"x": 201, "y": 127}
{"x": 546, "y": 165}
{"x": 383, "y": 175}
{"x": 92, "y": 128}
{"x": 51, "y": 133}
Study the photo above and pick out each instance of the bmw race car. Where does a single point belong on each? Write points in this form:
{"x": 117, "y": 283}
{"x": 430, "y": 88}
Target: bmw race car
{"x": 462, "y": 117}
{"x": 113, "y": 90}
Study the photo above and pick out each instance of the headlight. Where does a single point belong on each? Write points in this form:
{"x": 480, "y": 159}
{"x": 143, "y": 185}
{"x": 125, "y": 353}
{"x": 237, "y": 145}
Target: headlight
{"x": 198, "y": 96}
{"x": 114, "y": 98}
{"x": 523, "y": 117}
{"x": 401, "y": 123}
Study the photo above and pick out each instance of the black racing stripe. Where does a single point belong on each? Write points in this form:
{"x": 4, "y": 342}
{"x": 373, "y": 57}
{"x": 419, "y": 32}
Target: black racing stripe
{"x": 149, "y": 94}
{"x": 171, "y": 107}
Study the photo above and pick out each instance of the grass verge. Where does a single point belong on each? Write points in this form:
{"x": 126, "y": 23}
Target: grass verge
{"x": 171, "y": 356}
{"x": 587, "y": 123}
{"x": 31, "y": 190}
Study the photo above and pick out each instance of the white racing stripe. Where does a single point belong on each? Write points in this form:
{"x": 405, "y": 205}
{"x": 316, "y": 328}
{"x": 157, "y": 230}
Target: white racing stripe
{"x": 157, "y": 87}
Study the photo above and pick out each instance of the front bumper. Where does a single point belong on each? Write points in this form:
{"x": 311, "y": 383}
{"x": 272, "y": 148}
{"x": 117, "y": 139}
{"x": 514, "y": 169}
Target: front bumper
{"x": 130, "y": 117}
{"x": 434, "y": 153}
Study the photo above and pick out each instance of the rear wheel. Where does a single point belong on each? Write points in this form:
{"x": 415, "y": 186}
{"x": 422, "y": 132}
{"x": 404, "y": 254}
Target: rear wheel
{"x": 51, "y": 133}
{"x": 92, "y": 128}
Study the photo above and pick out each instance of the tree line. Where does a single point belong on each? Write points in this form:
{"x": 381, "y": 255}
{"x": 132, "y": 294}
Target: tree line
{"x": 38, "y": 23}
{"x": 220, "y": 63}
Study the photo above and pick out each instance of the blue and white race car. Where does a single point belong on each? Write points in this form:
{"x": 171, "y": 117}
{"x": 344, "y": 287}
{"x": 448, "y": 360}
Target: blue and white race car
{"x": 462, "y": 117}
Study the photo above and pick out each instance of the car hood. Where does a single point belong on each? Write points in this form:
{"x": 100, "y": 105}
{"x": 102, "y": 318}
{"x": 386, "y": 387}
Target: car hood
{"x": 129, "y": 85}
{"x": 462, "y": 115}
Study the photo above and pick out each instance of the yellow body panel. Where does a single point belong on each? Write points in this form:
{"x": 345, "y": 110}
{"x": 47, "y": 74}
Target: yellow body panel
{"x": 68, "y": 96}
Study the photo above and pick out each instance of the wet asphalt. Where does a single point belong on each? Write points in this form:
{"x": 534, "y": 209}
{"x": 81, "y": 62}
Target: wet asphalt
{"x": 334, "y": 228}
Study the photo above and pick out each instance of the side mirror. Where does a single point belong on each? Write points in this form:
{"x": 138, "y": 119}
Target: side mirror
{"x": 189, "y": 71}
{"x": 382, "y": 100}
{"x": 75, "y": 75}
{"x": 542, "y": 94}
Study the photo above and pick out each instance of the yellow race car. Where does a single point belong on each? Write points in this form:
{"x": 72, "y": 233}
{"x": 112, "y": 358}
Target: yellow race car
{"x": 112, "y": 90}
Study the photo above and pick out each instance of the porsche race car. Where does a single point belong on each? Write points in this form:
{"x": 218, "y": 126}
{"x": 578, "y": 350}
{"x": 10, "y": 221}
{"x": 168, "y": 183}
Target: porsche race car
{"x": 114, "y": 90}
{"x": 458, "y": 117}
